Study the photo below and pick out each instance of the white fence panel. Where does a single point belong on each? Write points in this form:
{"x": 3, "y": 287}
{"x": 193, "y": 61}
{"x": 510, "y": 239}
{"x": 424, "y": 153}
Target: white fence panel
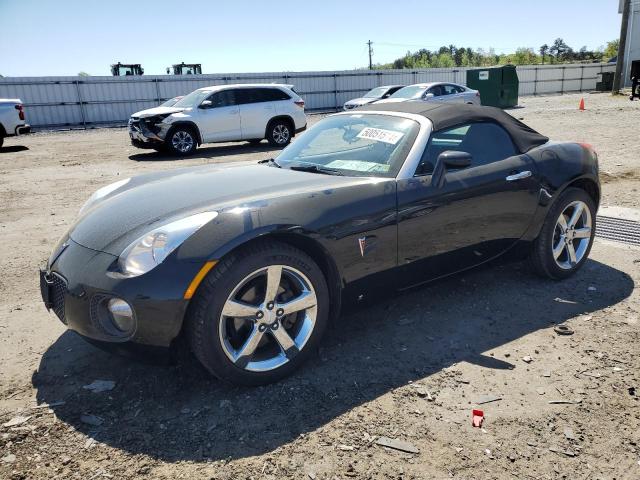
{"x": 89, "y": 101}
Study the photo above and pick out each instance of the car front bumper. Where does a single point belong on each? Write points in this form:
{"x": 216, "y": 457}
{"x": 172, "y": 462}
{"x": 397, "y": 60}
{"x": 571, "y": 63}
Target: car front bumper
{"x": 142, "y": 137}
{"x": 77, "y": 285}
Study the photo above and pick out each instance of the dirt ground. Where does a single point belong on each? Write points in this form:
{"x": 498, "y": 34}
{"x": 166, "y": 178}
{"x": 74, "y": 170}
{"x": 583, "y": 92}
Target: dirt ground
{"x": 410, "y": 368}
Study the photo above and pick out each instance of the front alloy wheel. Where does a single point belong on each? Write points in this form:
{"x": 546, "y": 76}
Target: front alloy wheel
{"x": 259, "y": 314}
{"x": 268, "y": 318}
{"x": 182, "y": 142}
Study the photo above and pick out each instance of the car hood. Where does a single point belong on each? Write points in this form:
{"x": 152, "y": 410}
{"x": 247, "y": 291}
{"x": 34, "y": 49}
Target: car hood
{"x": 157, "y": 111}
{"x": 360, "y": 101}
{"x": 150, "y": 201}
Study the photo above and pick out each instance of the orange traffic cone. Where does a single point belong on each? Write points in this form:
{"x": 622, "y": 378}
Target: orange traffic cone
{"x": 581, "y": 106}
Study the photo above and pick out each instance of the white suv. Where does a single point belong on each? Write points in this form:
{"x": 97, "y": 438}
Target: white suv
{"x": 223, "y": 113}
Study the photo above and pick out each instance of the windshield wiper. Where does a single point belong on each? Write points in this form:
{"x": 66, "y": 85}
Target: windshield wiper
{"x": 271, "y": 162}
{"x": 316, "y": 169}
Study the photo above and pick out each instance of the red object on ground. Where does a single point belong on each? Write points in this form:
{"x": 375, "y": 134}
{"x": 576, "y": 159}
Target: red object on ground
{"x": 477, "y": 417}
{"x": 581, "y": 106}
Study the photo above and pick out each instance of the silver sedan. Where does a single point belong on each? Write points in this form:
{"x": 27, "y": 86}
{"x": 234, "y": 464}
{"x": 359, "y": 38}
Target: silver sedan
{"x": 435, "y": 92}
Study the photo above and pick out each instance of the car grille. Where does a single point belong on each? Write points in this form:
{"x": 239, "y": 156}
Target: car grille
{"x": 349, "y": 107}
{"x": 58, "y": 292}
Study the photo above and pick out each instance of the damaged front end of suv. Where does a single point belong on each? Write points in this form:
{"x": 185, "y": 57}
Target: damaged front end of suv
{"x": 149, "y": 128}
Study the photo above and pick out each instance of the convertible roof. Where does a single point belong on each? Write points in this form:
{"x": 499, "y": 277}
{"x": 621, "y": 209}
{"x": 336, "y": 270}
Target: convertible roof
{"x": 445, "y": 115}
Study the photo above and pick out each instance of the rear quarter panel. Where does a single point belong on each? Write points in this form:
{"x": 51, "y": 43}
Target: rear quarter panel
{"x": 558, "y": 166}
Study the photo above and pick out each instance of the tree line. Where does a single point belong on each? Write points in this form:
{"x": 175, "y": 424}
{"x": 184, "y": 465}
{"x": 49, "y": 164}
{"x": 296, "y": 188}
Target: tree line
{"x": 452, "y": 56}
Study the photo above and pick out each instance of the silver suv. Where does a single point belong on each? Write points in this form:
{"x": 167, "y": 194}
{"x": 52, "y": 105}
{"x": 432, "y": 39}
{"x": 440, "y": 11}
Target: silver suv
{"x": 222, "y": 113}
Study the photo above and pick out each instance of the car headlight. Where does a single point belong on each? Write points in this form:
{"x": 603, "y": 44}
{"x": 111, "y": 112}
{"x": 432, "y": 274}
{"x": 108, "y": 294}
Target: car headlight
{"x": 152, "y": 248}
{"x": 101, "y": 193}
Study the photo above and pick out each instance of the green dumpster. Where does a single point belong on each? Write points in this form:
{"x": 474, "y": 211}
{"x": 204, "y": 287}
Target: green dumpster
{"x": 498, "y": 86}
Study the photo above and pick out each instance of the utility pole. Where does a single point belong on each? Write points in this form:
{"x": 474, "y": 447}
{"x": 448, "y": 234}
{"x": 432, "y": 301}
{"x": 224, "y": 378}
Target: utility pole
{"x": 370, "y": 55}
{"x": 622, "y": 45}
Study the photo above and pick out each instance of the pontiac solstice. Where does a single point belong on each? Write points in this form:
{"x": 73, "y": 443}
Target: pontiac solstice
{"x": 246, "y": 265}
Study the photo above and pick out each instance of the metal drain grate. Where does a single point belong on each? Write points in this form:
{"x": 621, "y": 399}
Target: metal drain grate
{"x": 618, "y": 229}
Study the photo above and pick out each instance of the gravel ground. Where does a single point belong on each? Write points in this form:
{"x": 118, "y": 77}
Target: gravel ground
{"x": 410, "y": 368}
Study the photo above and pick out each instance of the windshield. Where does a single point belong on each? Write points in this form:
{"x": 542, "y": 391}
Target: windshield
{"x": 171, "y": 102}
{"x": 376, "y": 92}
{"x": 413, "y": 91}
{"x": 370, "y": 145}
{"x": 192, "y": 100}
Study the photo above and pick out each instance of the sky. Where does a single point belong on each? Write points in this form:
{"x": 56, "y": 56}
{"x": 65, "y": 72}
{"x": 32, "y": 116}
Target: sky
{"x": 64, "y": 37}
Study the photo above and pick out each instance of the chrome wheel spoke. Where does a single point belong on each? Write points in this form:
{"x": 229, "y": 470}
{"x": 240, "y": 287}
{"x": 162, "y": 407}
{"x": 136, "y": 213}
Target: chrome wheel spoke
{"x": 577, "y": 213}
{"x": 233, "y": 308}
{"x": 584, "y": 232}
{"x": 274, "y": 273}
{"x": 306, "y": 300}
{"x": 571, "y": 251}
{"x": 285, "y": 341}
{"x": 559, "y": 248}
{"x": 245, "y": 352}
{"x": 562, "y": 223}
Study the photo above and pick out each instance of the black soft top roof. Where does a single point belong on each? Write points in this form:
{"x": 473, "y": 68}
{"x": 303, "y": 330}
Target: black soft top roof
{"x": 445, "y": 115}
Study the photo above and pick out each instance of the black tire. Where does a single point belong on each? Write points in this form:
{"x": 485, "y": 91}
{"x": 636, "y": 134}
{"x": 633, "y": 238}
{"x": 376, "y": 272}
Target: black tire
{"x": 204, "y": 317}
{"x": 1, "y": 140}
{"x": 542, "y": 259}
{"x": 181, "y": 141}
{"x": 279, "y": 133}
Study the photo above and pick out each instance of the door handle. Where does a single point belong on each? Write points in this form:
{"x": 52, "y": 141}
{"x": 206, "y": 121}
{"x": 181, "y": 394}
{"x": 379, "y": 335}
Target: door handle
{"x": 519, "y": 176}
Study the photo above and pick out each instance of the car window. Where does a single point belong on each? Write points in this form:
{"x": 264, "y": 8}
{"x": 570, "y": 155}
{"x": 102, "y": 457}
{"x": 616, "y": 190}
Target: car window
{"x": 486, "y": 142}
{"x": 366, "y": 145}
{"x": 257, "y": 95}
{"x": 436, "y": 90}
{"x": 449, "y": 89}
{"x": 412, "y": 91}
{"x": 224, "y": 98}
{"x": 459, "y": 89}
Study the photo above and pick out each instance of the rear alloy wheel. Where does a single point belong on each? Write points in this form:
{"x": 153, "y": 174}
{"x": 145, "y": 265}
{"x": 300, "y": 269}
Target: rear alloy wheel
{"x": 182, "y": 141}
{"x": 566, "y": 237}
{"x": 258, "y": 315}
{"x": 279, "y": 133}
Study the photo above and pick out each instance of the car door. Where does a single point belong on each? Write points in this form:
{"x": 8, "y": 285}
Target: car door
{"x": 452, "y": 94}
{"x": 478, "y": 213}
{"x": 219, "y": 121}
{"x": 433, "y": 94}
{"x": 256, "y": 109}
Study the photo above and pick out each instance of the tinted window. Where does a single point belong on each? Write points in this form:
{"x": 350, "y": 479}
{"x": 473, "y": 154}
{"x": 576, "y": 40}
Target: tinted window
{"x": 459, "y": 89}
{"x": 224, "y": 98}
{"x": 257, "y": 95}
{"x": 450, "y": 89}
{"x": 436, "y": 90}
{"x": 486, "y": 142}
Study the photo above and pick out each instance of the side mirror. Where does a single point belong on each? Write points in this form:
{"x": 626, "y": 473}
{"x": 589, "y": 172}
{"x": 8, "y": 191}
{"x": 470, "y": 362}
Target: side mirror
{"x": 386, "y": 95}
{"x": 206, "y": 104}
{"x": 428, "y": 96}
{"x": 446, "y": 160}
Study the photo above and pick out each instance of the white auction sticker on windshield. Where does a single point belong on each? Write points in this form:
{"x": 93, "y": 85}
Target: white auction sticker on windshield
{"x": 380, "y": 135}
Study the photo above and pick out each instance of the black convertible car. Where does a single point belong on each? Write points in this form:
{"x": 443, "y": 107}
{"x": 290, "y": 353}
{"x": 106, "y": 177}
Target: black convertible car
{"x": 249, "y": 263}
